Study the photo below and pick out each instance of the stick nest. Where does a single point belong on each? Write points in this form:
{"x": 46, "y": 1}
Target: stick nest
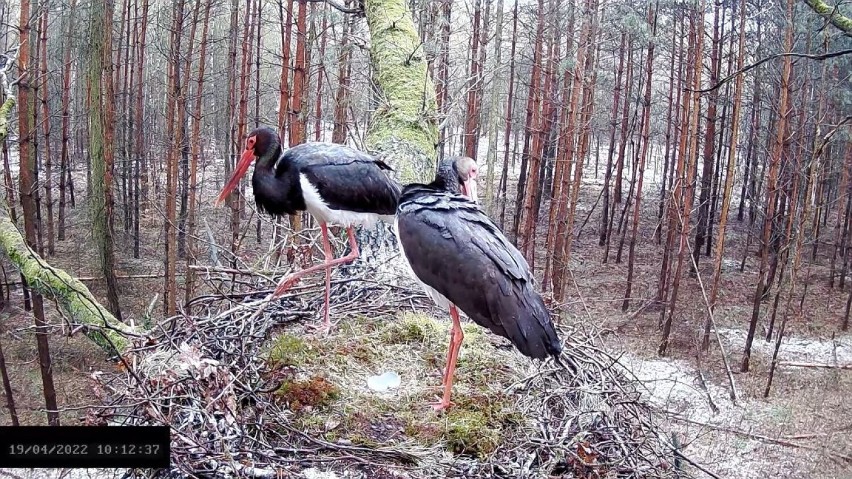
{"x": 260, "y": 395}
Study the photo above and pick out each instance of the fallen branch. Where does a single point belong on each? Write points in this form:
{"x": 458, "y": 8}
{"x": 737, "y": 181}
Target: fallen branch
{"x": 795, "y": 364}
{"x": 834, "y": 455}
{"x": 71, "y": 295}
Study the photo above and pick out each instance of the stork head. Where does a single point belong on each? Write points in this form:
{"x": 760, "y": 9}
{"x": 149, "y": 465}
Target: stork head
{"x": 457, "y": 174}
{"x": 261, "y": 144}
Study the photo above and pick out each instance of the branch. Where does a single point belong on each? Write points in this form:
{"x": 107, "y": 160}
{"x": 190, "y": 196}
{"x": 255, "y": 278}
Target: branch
{"x": 797, "y": 364}
{"x": 341, "y": 8}
{"x": 77, "y": 301}
{"x": 831, "y": 14}
{"x": 823, "y": 56}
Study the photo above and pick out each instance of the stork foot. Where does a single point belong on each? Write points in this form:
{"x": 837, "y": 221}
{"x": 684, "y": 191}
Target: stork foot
{"x": 441, "y": 405}
{"x": 323, "y": 329}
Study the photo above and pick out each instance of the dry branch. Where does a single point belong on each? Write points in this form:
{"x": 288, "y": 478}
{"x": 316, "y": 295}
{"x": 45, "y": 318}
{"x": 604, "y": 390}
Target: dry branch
{"x": 796, "y": 364}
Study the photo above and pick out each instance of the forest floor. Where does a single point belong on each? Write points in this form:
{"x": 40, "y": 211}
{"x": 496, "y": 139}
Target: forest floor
{"x": 801, "y": 430}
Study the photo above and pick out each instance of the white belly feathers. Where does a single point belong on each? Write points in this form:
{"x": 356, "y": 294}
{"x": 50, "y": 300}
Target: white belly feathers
{"x": 320, "y": 210}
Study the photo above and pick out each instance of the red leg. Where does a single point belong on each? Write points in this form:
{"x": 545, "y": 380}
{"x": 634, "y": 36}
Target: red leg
{"x": 456, "y": 338}
{"x": 328, "y": 256}
{"x": 289, "y": 281}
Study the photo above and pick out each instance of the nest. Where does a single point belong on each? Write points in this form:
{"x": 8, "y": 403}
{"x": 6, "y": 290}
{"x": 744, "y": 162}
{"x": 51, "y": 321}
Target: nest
{"x": 214, "y": 377}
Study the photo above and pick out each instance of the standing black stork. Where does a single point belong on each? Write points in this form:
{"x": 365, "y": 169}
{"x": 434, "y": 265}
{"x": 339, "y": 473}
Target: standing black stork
{"x": 463, "y": 259}
{"x": 334, "y": 183}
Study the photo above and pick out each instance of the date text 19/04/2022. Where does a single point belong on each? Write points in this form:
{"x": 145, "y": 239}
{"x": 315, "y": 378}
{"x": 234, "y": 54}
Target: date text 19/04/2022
{"x": 82, "y": 446}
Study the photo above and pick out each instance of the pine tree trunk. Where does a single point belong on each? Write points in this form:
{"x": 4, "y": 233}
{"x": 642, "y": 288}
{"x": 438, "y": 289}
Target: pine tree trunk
{"x": 772, "y": 188}
{"x": 196, "y": 153}
{"x": 297, "y": 115}
{"x": 493, "y": 114}
{"x": 616, "y": 103}
{"x": 471, "y": 124}
{"x": 729, "y": 182}
{"x": 141, "y": 176}
{"x": 173, "y": 128}
{"x": 341, "y": 103}
{"x": 284, "y": 91}
{"x": 48, "y": 154}
{"x": 701, "y": 226}
{"x": 318, "y": 125}
{"x": 530, "y": 130}
{"x": 667, "y": 159}
{"x": 687, "y": 163}
{"x": 26, "y": 132}
{"x": 507, "y": 134}
{"x": 646, "y": 121}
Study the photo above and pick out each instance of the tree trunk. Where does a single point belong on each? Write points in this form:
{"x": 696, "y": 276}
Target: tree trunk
{"x": 297, "y": 115}
{"x": 530, "y": 131}
{"x": 26, "y": 132}
{"x": 101, "y": 133}
{"x": 284, "y": 91}
{"x": 704, "y": 218}
{"x": 471, "y": 124}
{"x": 772, "y": 186}
{"x": 729, "y": 182}
{"x": 493, "y": 114}
{"x": 318, "y": 125}
{"x": 404, "y": 128}
{"x": 48, "y": 154}
{"x": 616, "y": 103}
{"x": 507, "y": 134}
{"x": 196, "y": 153}
{"x": 646, "y": 121}
{"x": 170, "y": 257}
{"x": 688, "y": 164}
{"x": 341, "y": 103}
{"x": 141, "y": 177}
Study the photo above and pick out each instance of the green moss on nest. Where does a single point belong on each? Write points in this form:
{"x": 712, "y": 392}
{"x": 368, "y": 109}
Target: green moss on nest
{"x": 414, "y": 346}
{"x": 288, "y": 350}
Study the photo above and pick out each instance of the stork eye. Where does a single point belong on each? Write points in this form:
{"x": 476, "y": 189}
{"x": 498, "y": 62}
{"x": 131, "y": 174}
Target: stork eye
{"x": 250, "y": 142}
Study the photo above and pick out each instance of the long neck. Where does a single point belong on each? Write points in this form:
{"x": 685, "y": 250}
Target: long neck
{"x": 267, "y": 161}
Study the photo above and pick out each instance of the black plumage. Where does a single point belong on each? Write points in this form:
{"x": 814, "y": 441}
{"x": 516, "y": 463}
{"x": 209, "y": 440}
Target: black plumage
{"x": 464, "y": 261}
{"x": 334, "y": 183}
{"x": 346, "y": 179}
{"x": 455, "y": 249}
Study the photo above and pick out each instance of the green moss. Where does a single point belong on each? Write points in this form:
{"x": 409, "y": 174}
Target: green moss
{"x": 72, "y": 295}
{"x": 412, "y": 328}
{"x": 288, "y": 350}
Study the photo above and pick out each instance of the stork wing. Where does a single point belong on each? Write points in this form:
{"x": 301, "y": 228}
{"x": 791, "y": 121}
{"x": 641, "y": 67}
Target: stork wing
{"x": 453, "y": 247}
{"x": 347, "y": 179}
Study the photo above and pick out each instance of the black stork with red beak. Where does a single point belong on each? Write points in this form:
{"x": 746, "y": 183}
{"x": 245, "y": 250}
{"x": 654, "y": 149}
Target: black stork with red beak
{"x": 463, "y": 260}
{"x": 332, "y": 182}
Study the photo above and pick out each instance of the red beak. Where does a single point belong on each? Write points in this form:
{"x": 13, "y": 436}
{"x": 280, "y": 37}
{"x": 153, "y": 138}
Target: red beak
{"x": 469, "y": 189}
{"x": 239, "y": 172}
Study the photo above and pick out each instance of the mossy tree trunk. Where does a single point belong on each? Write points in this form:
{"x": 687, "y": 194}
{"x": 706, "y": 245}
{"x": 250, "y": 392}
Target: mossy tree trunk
{"x": 832, "y": 14}
{"x": 403, "y": 130}
{"x": 100, "y": 144}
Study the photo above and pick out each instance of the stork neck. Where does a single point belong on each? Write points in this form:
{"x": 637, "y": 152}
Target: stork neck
{"x": 268, "y": 160}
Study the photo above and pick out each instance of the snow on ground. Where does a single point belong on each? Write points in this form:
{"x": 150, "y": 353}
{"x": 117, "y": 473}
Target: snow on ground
{"x": 674, "y": 385}
{"x": 816, "y": 350}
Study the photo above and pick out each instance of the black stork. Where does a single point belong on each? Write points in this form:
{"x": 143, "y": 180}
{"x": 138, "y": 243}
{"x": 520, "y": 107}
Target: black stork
{"x": 463, "y": 260}
{"x": 334, "y": 183}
